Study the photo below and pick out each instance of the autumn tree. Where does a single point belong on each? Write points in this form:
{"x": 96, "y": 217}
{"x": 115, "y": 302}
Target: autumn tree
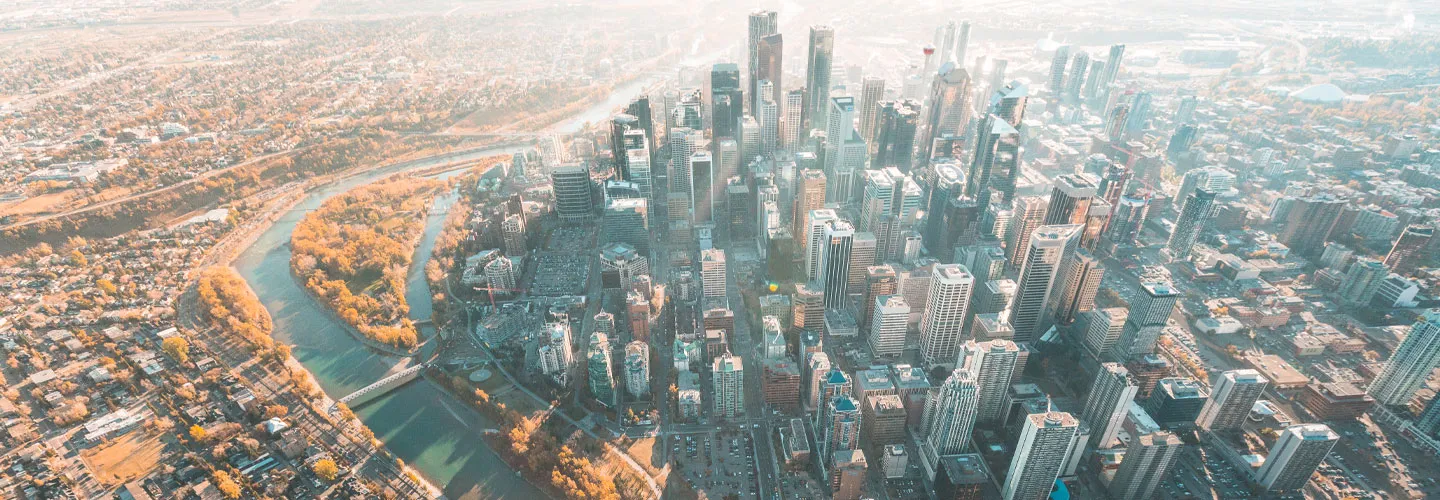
{"x": 225, "y": 484}
{"x": 326, "y": 469}
{"x": 177, "y": 348}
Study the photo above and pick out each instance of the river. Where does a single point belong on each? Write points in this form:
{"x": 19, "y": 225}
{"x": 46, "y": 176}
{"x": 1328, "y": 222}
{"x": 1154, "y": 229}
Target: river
{"x": 419, "y": 422}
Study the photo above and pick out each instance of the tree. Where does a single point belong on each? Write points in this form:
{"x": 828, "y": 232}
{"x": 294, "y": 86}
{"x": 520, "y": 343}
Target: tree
{"x": 227, "y": 486}
{"x": 177, "y": 348}
{"x": 106, "y": 286}
{"x": 197, "y": 433}
{"x": 276, "y": 411}
{"x": 326, "y": 469}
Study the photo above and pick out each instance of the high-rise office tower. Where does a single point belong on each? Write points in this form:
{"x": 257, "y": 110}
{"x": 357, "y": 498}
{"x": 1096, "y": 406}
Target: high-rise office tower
{"x": 836, "y": 244}
{"x": 729, "y": 382}
{"x": 602, "y": 374}
{"x": 951, "y": 286}
{"x": 894, "y": 136}
{"x": 1112, "y": 67}
{"x": 1029, "y": 215}
{"x": 619, "y": 125}
{"x": 727, "y": 159}
{"x": 749, "y": 139}
{"x": 1147, "y": 317}
{"x": 1411, "y": 363}
{"x": 772, "y": 56}
{"x": 762, "y": 23}
{"x": 790, "y": 135}
{"x": 1102, "y": 330}
{"x": 572, "y": 192}
{"x": 838, "y": 128}
{"x": 638, "y": 163}
{"x": 726, "y": 106}
{"x": 1408, "y": 251}
{"x": 1199, "y": 208}
{"x": 996, "y": 162}
{"x": 1114, "y": 181}
{"x": 1213, "y": 178}
{"x": 862, "y": 256}
{"x": 1185, "y": 111}
{"x": 703, "y": 186}
{"x": 1295, "y": 456}
{"x": 712, "y": 272}
{"x": 888, "y": 192}
{"x": 880, "y": 280}
{"x": 1309, "y": 222}
{"x": 640, "y": 109}
{"x": 627, "y": 220}
{"x": 1139, "y": 115}
{"x": 1108, "y": 403}
{"x": 842, "y": 426}
{"x": 1231, "y": 400}
{"x": 1057, "y": 73}
{"x": 888, "y": 325}
{"x": 1361, "y": 281}
{"x": 997, "y": 72}
{"x": 962, "y": 41}
{"x": 1044, "y": 441}
{"x": 1079, "y": 282}
{"x": 1182, "y": 140}
{"x": 847, "y": 474}
{"x": 872, "y": 90}
{"x": 1047, "y": 248}
{"x": 819, "y": 220}
{"x": 1079, "y": 66}
{"x": 992, "y": 364}
{"x": 1070, "y": 199}
{"x": 817, "y": 76}
{"x": 769, "y": 117}
{"x": 683, "y": 143}
{"x": 1147, "y": 460}
{"x": 809, "y": 195}
{"x": 948, "y": 108}
{"x": 949, "y": 416}
{"x": 1128, "y": 220}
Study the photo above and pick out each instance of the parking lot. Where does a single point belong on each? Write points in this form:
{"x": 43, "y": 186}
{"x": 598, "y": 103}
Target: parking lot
{"x": 718, "y": 463}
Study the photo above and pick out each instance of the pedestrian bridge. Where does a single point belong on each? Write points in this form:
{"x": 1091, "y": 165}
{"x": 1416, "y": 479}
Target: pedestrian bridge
{"x": 383, "y": 386}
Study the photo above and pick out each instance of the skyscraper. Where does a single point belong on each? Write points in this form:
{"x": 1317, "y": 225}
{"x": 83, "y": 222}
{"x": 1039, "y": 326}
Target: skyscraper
{"x": 1057, "y": 73}
{"x": 1411, "y": 363}
{"x": 791, "y": 118}
{"x": 1296, "y": 454}
{"x": 637, "y": 368}
{"x": 1231, "y": 400}
{"x": 572, "y": 185}
{"x": 729, "y": 381}
{"x": 996, "y": 162}
{"x": 1102, "y": 330}
{"x": 842, "y": 426}
{"x": 809, "y": 195}
{"x": 819, "y": 220}
{"x": 1408, "y": 251}
{"x": 703, "y": 187}
{"x": 1147, "y": 460}
{"x": 836, "y": 244}
{"x": 1048, "y": 247}
{"x": 948, "y": 108}
{"x": 951, "y": 286}
{"x": 894, "y": 136}
{"x": 1147, "y": 317}
{"x": 1044, "y": 441}
{"x": 888, "y": 325}
{"x": 862, "y": 256}
{"x": 619, "y": 125}
{"x": 1070, "y": 199}
{"x": 1029, "y": 215}
{"x": 762, "y": 23}
{"x": 769, "y": 117}
{"x": 1362, "y": 280}
{"x": 1199, "y": 208}
{"x": 1108, "y": 403}
{"x": 602, "y": 373}
{"x": 726, "y": 106}
{"x": 962, "y": 41}
{"x": 1079, "y": 282}
{"x": 992, "y": 364}
{"x": 712, "y": 273}
{"x": 1078, "y": 68}
{"x": 1309, "y": 221}
{"x": 949, "y": 416}
{"x": 772, "y": 57}
{"x": 817, "y": 76}
{"x": 872, "y": 89}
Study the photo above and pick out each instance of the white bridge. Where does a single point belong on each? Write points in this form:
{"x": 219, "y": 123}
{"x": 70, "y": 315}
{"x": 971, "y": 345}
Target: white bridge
{"x": 383, "y": 386}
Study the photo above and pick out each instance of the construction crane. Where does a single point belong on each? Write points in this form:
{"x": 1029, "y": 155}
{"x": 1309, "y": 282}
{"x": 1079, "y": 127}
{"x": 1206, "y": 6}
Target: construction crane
{"x": 491, "y": 292}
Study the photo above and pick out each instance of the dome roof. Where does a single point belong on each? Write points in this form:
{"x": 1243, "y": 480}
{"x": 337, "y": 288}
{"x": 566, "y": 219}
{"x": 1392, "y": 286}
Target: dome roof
{"x": 1322, "y": 92}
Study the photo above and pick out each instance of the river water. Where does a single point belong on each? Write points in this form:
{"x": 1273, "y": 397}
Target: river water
{"x": 420, "y": 423}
